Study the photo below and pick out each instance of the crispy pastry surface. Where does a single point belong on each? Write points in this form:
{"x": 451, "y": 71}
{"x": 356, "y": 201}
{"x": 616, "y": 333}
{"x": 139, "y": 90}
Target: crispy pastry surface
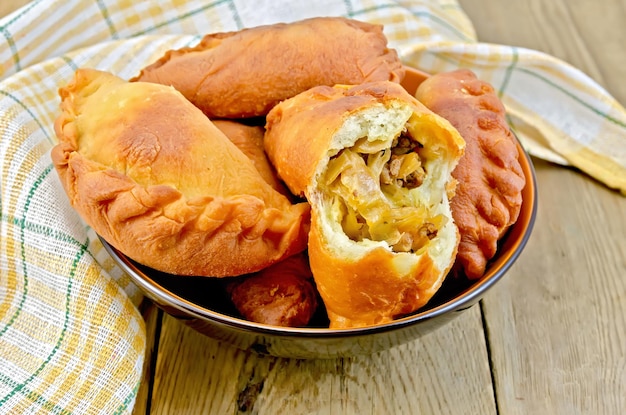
{"x": 245, "y": 73}
{"x": 282, "y": 294}
{"x": 154, "y": 177}
{"x": 326, "y": 144}
{"x": 490, "y": 179}
{"x": 249, "y": 139}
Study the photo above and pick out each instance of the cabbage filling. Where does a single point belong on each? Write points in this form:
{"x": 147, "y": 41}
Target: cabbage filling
{"x": 371, "y": 190}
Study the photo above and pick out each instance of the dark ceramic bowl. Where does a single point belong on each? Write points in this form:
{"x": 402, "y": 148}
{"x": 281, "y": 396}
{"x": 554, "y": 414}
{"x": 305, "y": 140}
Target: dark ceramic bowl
{"x": 202, "y": 303}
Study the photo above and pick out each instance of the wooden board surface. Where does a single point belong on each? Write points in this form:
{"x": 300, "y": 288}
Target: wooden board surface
{"x": 556, "y": 326}
{"x": 441, "y": 373}
{"x": 549, "y": 339}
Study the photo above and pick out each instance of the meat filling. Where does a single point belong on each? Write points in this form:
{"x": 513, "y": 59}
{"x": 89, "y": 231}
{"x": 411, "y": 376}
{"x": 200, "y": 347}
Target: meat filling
{"x": 372, "y": 199}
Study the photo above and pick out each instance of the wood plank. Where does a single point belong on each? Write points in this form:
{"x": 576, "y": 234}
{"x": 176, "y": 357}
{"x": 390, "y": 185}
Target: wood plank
{"x": 557, "y": 324}
{"x": 445, "y": 372}
{"x": 588, "y": 34}
{"x": 152, "y": 317}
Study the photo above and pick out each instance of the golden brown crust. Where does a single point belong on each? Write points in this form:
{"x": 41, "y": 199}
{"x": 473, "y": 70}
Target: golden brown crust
{"x": 364, "y": 283}
{"x": 154, "y": 177}
{"x": 245, "y": 73}
{"x": 323, "y": 109}
{"x": 249, "y": 139}
{"x": 490, "y": 179}
{"x": 282, "y": 294}
{"x": 369, "y": 290}
{"x": 296, "y": 164}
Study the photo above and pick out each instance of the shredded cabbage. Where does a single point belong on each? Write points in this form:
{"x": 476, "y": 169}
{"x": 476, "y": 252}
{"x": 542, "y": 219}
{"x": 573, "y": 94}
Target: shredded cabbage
{"x": 370, "y": 187}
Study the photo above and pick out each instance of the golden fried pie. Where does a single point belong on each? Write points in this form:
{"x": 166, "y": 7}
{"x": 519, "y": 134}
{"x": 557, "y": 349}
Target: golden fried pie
{"x": 152, "y": 175}
{"x": 282, "y": 294}
{"x": 375, "y": 165}
{"x": 245, "y": 73}
{"x": 249, "y": 139}
{"x": 490, "y": 179}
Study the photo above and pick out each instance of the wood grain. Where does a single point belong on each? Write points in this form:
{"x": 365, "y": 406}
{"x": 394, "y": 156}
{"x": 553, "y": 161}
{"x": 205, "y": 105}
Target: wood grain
{"x": 549, "y": 339}
{"x": 587, "y": 34}
{"x": 152, "y": 317}
{"x": 557, "y": 325}
{"x": 445, "y": 372}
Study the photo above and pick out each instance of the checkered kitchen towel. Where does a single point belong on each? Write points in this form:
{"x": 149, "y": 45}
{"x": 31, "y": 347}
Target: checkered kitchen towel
{"x": 71, "y": 338}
